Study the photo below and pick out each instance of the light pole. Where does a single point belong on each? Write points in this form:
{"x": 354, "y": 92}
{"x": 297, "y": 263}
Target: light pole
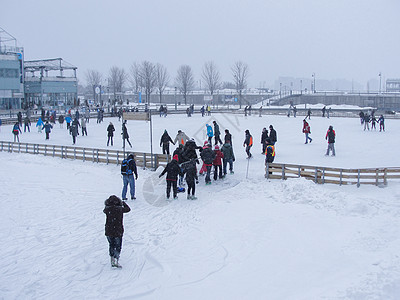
{"x": 301, "y": 87}
{"x": 380, "y": 81}
{"x": 176, "y": 108}
{"x": 313, "y": 76}
{"x": 280, "y": 90}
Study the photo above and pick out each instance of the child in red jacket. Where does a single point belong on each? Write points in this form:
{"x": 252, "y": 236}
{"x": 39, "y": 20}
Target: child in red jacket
{"x": 217, "y": 163}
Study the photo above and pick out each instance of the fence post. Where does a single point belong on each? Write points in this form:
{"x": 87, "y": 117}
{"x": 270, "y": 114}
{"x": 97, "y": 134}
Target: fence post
{"x": 93, "y": 155}
{"x": 117, "y": 157}
{"x": 62, "y": 151}
{"x": 358, "y": 178}
{"x": 299, "y": 172}
{"x": 316, "y": 175}
{"x": 323, "y": 175}
{"x": 144, "y": 161}
{"x": 2, "y": 146}
{"x": 283, "y": 172}
{"x": 45, "y": 150}
{"x": 376, "y": 177}
{"x": 107, "y": 157}
{"x": 341, "y": 176}
{"x": 155, "y": 161}
{"x": 83, "y": 155}
{"x": 54, "y": 150}
{"x": 26, "y": 149}
{"x": 97, "y": 155}
{"x": 385, "y": 176}
{"x": 74, "y": 153}
{"x": 267, "y": 171}
{"x": 19, "y": 147}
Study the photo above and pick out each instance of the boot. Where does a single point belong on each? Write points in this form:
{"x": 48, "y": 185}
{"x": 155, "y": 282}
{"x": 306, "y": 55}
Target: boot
{"x": 112, "y": 262}
{"x": 116, "y": 264}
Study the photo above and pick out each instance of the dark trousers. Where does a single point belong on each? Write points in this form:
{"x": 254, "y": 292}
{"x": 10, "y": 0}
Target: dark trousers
{"x": 68, "y": 125}
{"x": 73, "y": 139}
{"x": 115, "y": 244}
{"x": 217, "y": 140}
{"x": 84, "y": 131}
{"x": 110, "y": 138}
{"x": 226, "y": 161}
{"x": 191, "y": 187}
{"x": 165, "y": 148}
{"x": 173, "y": 184}
{"x": 25, "y": 127}
{"x": 208, "y": 174}
{"x": 216, "y": 169}
{"x": 248, "y": 151}
{"x": 47, "y": 135}
{"x": 210, "y": 141}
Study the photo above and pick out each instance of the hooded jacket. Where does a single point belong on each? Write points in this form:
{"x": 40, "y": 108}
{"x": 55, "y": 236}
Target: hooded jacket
{"x": 181, "y": 138}
{"x": 173, "y": 170}
{"x": 165, "y": 139}
{"x": 207, "y": 155}
{"x": 227, "y": 150}
{"x": 114, "y": 210}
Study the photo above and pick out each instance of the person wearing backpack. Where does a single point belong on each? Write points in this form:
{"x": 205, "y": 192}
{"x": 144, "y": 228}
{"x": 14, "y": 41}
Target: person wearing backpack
{"x": 248, "y": 143}
{"x": 128, "y": 169}
{"x": 16, "y": 130}
{"x": 114, "y": 228}
{"x": 330, "y": 136}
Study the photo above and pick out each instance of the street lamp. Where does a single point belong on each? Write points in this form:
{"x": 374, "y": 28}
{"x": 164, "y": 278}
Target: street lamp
{"x": 313, "y": 87}
{"x": 280, "y": 90}
{"x": 301, "y": 87}
{"x": 176, "y": 108}
{"x": 380, "y": 81}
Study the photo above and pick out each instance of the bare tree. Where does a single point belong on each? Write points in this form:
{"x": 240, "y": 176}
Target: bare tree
{"x": 93, "y": 79}
{"x": 117, "y": 78}
{"x": 185, "y": 80}
{"x": 211, "y": 77}
{"x": 240, "y": 72}
{"x": 162, "y": 79}
{"x": 148, "y": 77}
{"x": 135, "y": 78}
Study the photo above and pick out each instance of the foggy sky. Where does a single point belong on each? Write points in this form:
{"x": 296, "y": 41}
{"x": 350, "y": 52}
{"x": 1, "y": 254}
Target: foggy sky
{"x": 350, "y": 39}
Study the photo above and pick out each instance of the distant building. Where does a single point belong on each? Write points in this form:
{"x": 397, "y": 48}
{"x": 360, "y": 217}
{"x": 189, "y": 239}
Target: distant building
{"x": 11, "y": 72}
{"x": 393, "y": 85}
{"x": 50, "y": 83}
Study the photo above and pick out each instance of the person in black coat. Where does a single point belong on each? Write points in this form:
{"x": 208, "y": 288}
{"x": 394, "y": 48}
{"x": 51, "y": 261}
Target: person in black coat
{"x": 173, "y": 170}
{"x": 110, "y": 134}
{"x": 217, "y": 133}
{"x": 228, "y": 137}
{"x": 164, "y": 142}
{"x": 114, "y": 228}
{"x": 207, "y": 155}
{"x": 189, "y": 168}
{"x": 189, "y": 151}
{"x": 264, "y": 136}
{"x": 272, "y": 135}
{"x": 125, "y": 135}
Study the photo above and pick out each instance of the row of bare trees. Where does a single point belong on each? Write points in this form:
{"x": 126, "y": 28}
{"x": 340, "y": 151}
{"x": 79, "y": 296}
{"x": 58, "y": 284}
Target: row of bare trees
{"x": 147, "y": 77}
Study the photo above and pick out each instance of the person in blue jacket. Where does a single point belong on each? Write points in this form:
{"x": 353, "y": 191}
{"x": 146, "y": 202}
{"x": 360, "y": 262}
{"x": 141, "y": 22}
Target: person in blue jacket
{"x": 210, "y": 134}
{"x": 47, "y": 129}
{"x": 68, "y": 120}
{"x": 39, "y": 125}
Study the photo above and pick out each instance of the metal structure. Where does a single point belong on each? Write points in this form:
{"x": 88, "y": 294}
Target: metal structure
{"x": 50, "y": 83}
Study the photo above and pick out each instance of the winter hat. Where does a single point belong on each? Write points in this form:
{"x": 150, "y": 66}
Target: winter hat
{"x": 175, "y": 157}
{"x": 216, "y": 147}
{"x": 205, "y": 143}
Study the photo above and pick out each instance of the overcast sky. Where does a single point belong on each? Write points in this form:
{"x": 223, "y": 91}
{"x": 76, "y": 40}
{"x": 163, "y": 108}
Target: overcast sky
{"x": 350, "y": 39}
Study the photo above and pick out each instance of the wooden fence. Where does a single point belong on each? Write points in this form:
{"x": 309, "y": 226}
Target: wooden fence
{"x": 321, "y": 175}
{"x": 145, "y": 160}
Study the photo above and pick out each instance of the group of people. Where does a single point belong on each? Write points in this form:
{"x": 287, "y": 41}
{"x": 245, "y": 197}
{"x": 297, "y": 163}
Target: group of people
{"x": 367, "y": 118}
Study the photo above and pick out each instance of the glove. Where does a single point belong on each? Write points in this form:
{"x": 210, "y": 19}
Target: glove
{"x": 233, "y": 160}
{"x": 137, "y": 177}
{"x": 159, "y": 176}
{"x": 197, "y": 182}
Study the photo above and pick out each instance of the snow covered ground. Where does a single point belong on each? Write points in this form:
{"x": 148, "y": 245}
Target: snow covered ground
{"x": 244, "y": 238}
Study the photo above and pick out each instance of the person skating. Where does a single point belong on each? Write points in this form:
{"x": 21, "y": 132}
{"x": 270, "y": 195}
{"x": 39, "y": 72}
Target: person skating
{"x": 202, "y": 110}
{"x": 189, "y": 169}
{"x": 128, "y": 169}
{"x": 27, "y": 124}
{"x": 366, "y": 121}
{"x": 110, "y": 134}
{"x": 39, "y": 125}
{"x": 61, "y": 120}
{"x": 74, "y": 130}
{"x": 83, "y": 125}
{"x": 228, "y": 137}
{"x": 19, "y": 117}
{"x": 229, "y": 157}
{"x": 361, "y": 115}
{"x": 114, "y": 228}
{"x": 381, "y": 121}
{"x": 181, "y": 138}
{"x": 307, "y": 131}
{"x": 373, "y": 122}
{"x": 248, "y": 143}
{"x": 16, "y": 131}
{"x": 272, "y": 135}
{"x": 164, "y": 142}
{"x": 207, "y": 155}
{"x": 68, "y": 120}
{"x": 47, "y": 129}
{"x": 323, "y": 111}
{"x": 269, "y": 154}
{"x": 189, "y": 150}
{"x": 210, "y": 134}
{"x": 264, "y": 136}
{"x": 309, "y": 114}
{"x": 217, "y": 133}
{"x": 330, "y": 136}
{"x": 125, "y": 135}
{"x": 173, "y": 170}
{"x": 217, "y": 163}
